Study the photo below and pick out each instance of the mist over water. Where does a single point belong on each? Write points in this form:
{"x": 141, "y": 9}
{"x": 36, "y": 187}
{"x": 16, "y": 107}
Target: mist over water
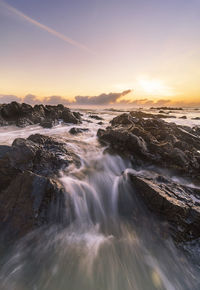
{"x": 101, "y": 249}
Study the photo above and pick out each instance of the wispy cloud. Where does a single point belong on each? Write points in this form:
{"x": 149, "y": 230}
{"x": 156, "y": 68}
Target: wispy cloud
{"x": 46, "y": 28}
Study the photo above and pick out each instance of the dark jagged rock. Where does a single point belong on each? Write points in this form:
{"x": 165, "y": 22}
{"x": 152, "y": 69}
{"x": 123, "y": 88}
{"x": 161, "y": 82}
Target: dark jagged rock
{"x": 95, "y": 117}
{"x": 23, "y": 115}
{"x": 28, "y": 202}
{"x": 75, "y": 131}
{"x": 183, "y": 117}
{"x": 177, "y": 204}
{"x": 100, "y": 123}
{"x": 154, "y": 142}
{"x": 39, "y": 154}
{"x": 30, "y": 195}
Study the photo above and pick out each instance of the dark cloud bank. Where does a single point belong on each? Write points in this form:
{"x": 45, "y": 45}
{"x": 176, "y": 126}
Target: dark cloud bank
{"x": 103, "y": 99}
{"x": 100, "y": 100}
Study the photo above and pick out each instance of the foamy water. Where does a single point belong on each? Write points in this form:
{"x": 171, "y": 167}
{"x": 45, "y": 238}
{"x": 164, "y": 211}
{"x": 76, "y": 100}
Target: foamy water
{"x": 100, "y": 249}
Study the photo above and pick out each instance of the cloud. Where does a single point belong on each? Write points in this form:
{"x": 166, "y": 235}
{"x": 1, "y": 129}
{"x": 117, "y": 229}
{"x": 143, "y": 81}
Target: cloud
{"x": 103, "y": 99}
{"x": 56, "y": 100}
{"x": 9, "y": 98}
{"x": 163, "y": 102}
{"x": 31, "y": 99}
{"x": 46, "y": 28}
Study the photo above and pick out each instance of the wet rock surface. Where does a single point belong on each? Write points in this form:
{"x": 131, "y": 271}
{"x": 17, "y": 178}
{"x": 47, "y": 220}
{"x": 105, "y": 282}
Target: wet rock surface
{"x": 154, "y": 142}
{"x": 23, "y": 115}
{"x": 96, "y": 117}
{"x": 75, "y": 131}
{"x": 178, "y": 204}
{"x": 30, "y": 195}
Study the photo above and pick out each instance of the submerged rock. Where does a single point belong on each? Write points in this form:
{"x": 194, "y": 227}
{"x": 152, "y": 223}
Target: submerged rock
{"x": 95, "y": 117}
{"x": 23, "y": 115}
{"x": 196, "y": 118}
{"x": 75, "y": 131}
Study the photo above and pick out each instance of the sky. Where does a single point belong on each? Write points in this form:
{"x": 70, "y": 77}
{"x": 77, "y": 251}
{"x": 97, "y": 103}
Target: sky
{"x": 100, "y": 51}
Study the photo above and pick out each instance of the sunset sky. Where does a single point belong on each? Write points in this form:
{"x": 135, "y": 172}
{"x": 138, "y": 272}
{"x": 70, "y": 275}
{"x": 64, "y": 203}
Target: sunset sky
{"x": 86, "y": 48}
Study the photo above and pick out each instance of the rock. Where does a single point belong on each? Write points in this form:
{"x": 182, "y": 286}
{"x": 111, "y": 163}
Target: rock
{"x": 23, "y": 122}
{"x": 3, "y": 122}
{"x": 30, "y": 201}
{"x": 39, "y": 154}
{"x": 69, "y": 117}
{"x": 196, "y": 118}
{"x": 30, "y": 194}
{"x": 95, "y": 117}
{"x": 154, "y": 142}
{"x": 167, "y": 108}
{"x": 11, "y": 111}
{"x": 183, "y": 117}
{"x": 100, "y": 123}
{"x": 124, "y": 119}
{"x": 196, "y": 130}
{"x": 177, "y": 204}
{"x": 139, "y": 114}
{"x": 48, "y": 123}
{"x": 75, "y": 131}
{"x": 23, "y": 115}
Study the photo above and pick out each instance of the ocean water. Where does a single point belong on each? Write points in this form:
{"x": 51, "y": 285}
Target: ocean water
{"x": 100, "y": 250}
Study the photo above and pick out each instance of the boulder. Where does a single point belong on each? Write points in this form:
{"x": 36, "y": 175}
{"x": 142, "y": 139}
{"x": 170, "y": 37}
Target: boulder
{"x": 177, "y": 204}
{"x": 69, "y": 117}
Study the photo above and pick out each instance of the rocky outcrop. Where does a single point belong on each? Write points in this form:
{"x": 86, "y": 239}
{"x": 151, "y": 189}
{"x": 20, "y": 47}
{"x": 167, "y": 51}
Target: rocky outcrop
{"x": 47, "y": 116}
{"x": 30, "y": 194}
{"x": 154, "y": 142}
{"x": 179, "y": 205}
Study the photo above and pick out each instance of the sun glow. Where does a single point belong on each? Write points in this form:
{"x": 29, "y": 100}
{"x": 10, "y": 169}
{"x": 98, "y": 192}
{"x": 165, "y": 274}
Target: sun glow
{"x": 155, "y": 87}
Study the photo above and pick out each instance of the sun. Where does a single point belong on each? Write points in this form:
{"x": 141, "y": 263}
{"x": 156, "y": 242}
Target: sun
{"x": 154, "y": 87}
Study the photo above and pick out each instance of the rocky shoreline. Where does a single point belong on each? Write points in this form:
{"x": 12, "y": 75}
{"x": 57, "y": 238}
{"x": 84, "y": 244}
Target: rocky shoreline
{"x": 47, "y": 116}
{"x": 31, "y": 195}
